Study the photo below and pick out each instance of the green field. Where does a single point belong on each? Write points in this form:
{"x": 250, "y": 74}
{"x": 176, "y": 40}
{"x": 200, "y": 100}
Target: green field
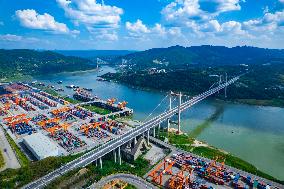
{"x": 97, "y": 109}
{"x": 2, "y": 162}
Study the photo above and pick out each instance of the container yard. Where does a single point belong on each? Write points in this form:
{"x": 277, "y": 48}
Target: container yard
{"x": 28, "y": 111}
{"x": 184, "y": 170}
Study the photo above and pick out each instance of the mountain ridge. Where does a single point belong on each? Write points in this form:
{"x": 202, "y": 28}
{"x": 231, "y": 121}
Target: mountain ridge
{"x": 203, "y": 55}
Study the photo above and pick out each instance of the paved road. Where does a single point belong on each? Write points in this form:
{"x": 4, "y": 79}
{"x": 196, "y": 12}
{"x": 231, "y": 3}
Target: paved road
{"x": 10, "y": 158}
{"x": 131, "y": 179}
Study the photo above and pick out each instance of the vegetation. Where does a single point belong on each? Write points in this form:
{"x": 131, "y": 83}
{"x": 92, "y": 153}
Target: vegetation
{"x": 2, "y": 161}
{"x": 22, "y": 62}
{"x": 139, "y": 167}
{"x": 178, "y": 56}
{"x": 252, "y": 88}
{"x": 130, "y": 186}
{"x": 15, "y": 178}
{"x": 97, "y": 109}
{"x": 71, "y": 100}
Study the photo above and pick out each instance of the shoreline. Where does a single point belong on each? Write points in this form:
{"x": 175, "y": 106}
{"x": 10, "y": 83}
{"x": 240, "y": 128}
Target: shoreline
{"x": 249, "y": 102}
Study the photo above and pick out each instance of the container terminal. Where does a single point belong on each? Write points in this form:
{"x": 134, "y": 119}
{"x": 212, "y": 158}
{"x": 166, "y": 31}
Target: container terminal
{"x": 44, "y": 125}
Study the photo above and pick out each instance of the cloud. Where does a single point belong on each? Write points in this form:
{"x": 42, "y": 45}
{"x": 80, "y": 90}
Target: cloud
{"x": 227, "y": 5}
{"x": 232, "y": 28}
{"x": 91, "y": 13}
{"x": 16, "y": 38}
{"x": 211, "y": 26}
{"x": 141, "y": 31}
{"x": 10, "y": 37}
{"x": 105, "y": 34}
{"x": 270, "y": 22}
{"x": 109, "y": 36}
{"x": 281, "y": 1}
{"x": 159, "y": 29}
{"x": 137, "y": 27}
{"x": 29, "y": 18}
{"x": 181, "y": 11}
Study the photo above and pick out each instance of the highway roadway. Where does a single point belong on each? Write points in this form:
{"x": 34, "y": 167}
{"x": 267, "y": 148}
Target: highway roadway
{"x": 106, "y": 148}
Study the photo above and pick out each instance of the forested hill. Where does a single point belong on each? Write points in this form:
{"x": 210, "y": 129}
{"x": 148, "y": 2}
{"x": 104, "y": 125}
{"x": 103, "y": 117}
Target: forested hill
{"x": 176, "y": 56}
{"x": 31, "y": 62}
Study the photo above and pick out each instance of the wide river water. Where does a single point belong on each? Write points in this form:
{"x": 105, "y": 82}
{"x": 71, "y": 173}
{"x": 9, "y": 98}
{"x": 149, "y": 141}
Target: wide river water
{"x": 253, "y": 133}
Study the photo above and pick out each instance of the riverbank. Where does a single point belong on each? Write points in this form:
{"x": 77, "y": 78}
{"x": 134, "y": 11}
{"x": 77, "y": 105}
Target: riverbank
{"x": 28, "y": 78}
{"x": 253, "y": 102}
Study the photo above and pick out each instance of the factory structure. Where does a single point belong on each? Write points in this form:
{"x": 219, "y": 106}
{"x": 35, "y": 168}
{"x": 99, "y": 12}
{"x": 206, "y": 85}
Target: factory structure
{"x": 40, "y": 146}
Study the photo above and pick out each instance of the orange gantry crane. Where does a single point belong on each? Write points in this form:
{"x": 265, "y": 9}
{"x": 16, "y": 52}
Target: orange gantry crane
{"x": 85, "y": 128}
{"x": 122, "y": 105}
{"x": 163, "y": 168}
{"x": 111, "y": 101}
{"x": 16, "y": 122}
{"x": 65, "y": 126}
{"x": 52, "y": 130}
{"x": 13, "y": 118}
{"x": 43, "y": 123}
{"x": 57, "y": 111}
{"x": 180, "y": 180}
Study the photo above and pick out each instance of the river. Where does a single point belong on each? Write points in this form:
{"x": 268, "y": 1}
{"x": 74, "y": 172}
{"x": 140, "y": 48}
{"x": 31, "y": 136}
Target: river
{"x": 253, "y": 133}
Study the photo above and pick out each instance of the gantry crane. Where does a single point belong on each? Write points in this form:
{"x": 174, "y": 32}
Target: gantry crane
{"x": 111, "y": 101}
{"x": 122, "y": 105}
{"x": 157, "y": 174}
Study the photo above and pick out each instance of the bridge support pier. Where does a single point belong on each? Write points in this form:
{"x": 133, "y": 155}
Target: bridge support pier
{"x": 114, "y": 154}
{"x": 154, "y": 132}
{"x": 159, "y": 129}
{"x": 101, "y": 163}
{"x": 148, "y": 133}
{"x": 96, "y": 162}
{"x": 119, "y": 156}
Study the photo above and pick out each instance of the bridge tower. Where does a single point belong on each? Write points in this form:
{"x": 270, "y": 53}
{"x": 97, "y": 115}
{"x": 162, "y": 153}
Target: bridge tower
{"x": 170, "y": 107}
{"x": 179, "y": 112}
{"x": 179, "y": 95}
{"x": 226, "y": 78}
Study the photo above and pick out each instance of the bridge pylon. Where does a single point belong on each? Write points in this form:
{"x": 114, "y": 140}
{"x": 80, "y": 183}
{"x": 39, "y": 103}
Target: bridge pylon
{"x": 170, "y": 107}
{"x": 179, "y": 112}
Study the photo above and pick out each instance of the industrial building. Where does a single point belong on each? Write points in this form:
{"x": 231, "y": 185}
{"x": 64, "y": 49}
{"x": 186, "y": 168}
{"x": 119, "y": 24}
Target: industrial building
{"x": 40, "y": 146}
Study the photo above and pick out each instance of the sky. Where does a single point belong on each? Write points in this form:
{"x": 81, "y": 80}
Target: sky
{"x": 139, "y": 24}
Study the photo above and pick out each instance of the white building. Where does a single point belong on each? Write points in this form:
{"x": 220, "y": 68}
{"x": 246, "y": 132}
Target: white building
{"x": 40, "y": 146}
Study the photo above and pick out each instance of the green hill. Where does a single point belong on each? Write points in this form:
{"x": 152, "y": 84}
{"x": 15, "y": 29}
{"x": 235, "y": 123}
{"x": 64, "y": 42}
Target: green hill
{"x": 32, "y": 62}
{"x": 178, "y": 56}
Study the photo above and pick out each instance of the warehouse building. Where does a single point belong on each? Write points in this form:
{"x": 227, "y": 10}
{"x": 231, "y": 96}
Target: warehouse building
{"x": 40, "y": 146}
